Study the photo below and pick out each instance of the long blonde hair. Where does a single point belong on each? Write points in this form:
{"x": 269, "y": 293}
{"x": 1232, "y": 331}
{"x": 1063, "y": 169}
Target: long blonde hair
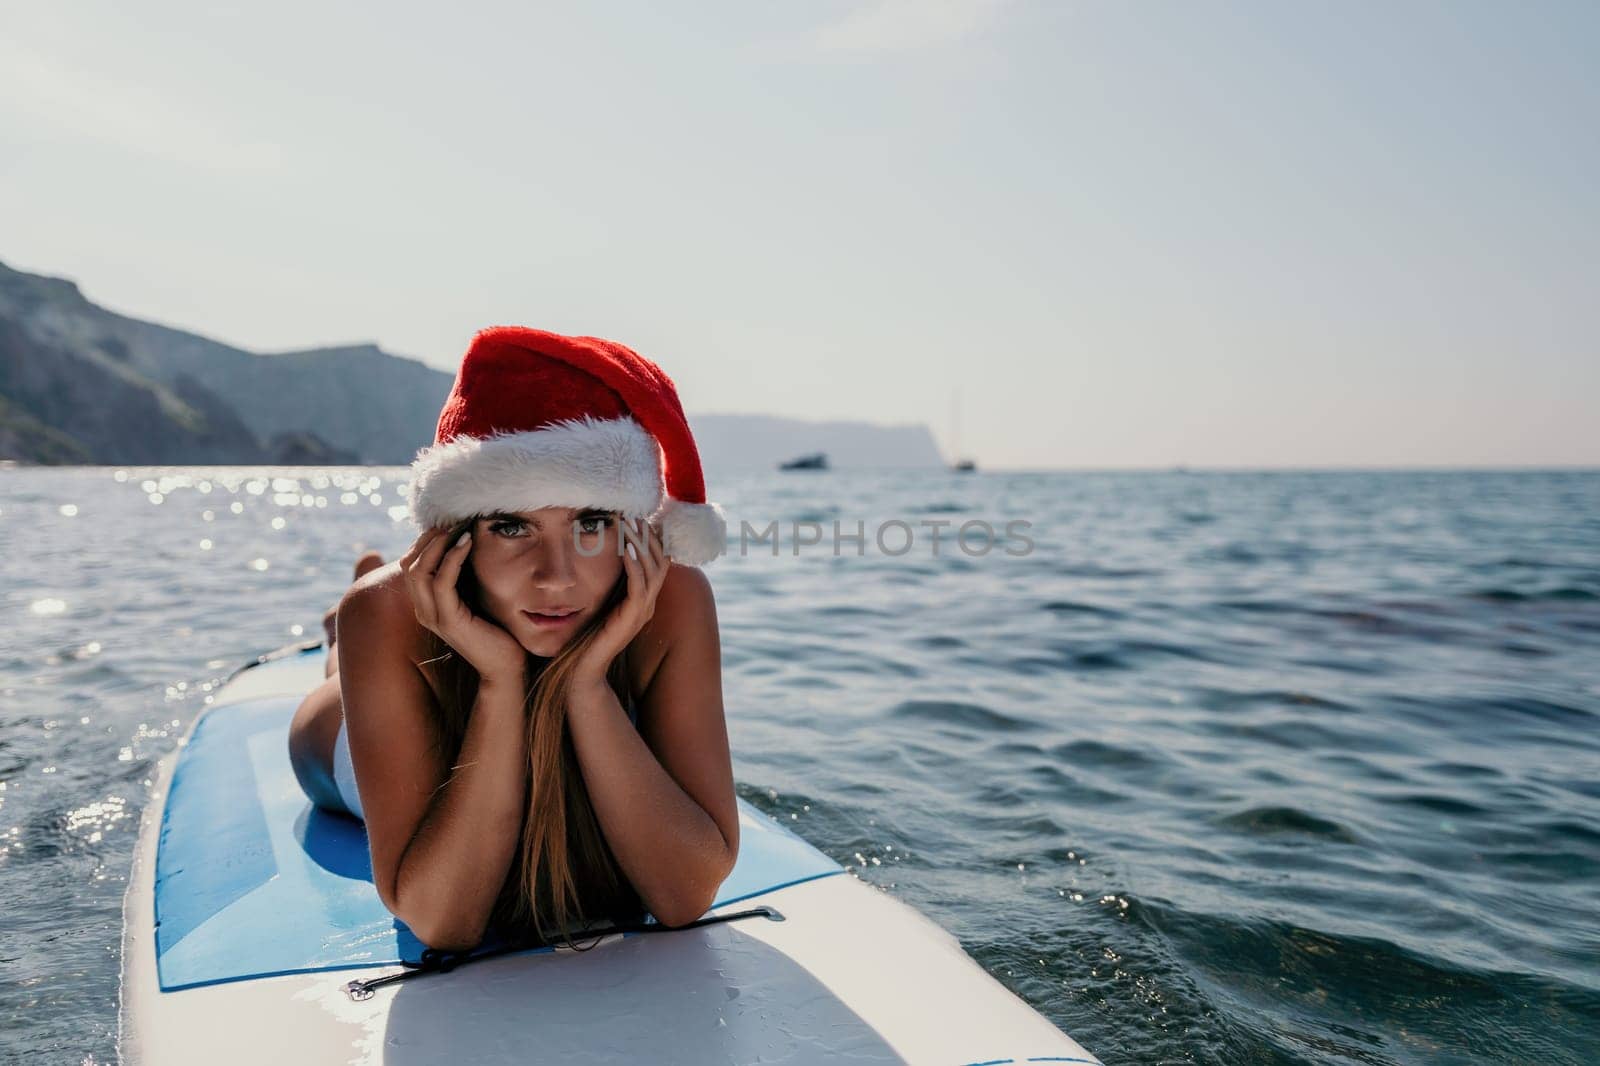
{"x": 565, "y": 875}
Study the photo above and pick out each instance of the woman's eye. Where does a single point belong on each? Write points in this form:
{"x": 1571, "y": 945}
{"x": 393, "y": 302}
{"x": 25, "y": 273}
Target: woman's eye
{"x": 589, "y": 525}
{"x": 507, "y": 527}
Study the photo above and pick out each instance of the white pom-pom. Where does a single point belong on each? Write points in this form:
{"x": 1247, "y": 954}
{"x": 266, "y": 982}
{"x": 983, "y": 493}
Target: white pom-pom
{"x": 693, "y": 533}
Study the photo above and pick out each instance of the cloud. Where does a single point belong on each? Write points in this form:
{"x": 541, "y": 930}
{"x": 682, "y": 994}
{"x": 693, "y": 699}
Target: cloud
{"x": 904, "y": 25}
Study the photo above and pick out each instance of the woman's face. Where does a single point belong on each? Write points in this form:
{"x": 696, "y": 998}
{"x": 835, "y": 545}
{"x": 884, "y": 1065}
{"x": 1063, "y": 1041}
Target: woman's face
{"x": 530, "y": 564}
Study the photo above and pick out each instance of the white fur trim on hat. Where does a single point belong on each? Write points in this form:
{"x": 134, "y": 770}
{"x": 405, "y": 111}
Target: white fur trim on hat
{"x": 693, "y": 533}
{"x": 613, "y": 464}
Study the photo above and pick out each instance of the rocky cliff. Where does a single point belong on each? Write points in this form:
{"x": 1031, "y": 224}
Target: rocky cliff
{"x": 79, "y": 383}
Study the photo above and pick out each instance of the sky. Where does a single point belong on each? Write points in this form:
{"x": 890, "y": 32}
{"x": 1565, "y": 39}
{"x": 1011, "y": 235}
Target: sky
{"x": 1061, "y": 234}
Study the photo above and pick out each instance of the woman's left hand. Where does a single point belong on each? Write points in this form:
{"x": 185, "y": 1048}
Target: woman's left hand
{"x": 644, "y": 558}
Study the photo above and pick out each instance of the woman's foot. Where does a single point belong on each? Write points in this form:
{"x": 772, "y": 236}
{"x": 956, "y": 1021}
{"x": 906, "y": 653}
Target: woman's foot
{"x": 370, "y": 560}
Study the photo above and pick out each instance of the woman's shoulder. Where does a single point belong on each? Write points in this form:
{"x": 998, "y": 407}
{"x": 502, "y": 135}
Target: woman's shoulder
{"x": 685, "y": 596}
{"x": 379, "y": 604}
{"x": 685, "y": 613}
{"x": 381, "y": 591}
{"x": 378, "y": 628}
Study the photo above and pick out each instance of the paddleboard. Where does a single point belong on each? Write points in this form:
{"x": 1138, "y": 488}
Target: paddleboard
{"x": 253, "y": 934}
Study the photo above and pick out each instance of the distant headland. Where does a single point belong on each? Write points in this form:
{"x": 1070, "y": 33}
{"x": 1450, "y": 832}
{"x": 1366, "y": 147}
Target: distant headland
{"x": 83, "y": 385}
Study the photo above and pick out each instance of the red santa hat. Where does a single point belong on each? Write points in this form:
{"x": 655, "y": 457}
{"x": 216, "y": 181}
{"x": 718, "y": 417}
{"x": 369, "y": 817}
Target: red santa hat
{"x": 536, "y": 420}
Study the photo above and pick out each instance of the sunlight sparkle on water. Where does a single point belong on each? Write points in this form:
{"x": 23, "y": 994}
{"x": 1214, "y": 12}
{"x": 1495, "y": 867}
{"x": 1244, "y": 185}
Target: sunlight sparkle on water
{"x": 97, "y": 817}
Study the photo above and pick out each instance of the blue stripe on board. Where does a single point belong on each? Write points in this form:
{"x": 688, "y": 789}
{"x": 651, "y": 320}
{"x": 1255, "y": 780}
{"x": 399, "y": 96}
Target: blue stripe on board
{"x": 1039, "y": 1058}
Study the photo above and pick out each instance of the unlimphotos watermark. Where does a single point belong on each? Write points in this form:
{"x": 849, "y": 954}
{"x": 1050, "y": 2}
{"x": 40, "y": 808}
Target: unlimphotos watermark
{"x": 893, "y": 537}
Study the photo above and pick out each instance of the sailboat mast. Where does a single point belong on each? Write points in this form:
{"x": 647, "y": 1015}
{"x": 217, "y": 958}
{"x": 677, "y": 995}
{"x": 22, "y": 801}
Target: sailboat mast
{"x": 955, "y": 425}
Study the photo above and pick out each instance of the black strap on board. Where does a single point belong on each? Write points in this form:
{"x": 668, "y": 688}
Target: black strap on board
{"x": 436, "y": 961}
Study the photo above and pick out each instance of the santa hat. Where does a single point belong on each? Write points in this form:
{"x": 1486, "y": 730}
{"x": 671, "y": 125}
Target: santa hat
{"x": 536, "y": 420}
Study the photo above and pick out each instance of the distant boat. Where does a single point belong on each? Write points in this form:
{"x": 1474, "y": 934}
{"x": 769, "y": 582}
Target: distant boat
{"x": 815, "y": 461}
{"x": 964, "y": 466}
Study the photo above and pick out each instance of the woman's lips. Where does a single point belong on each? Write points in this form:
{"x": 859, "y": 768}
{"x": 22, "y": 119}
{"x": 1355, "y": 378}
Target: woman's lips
{"x": 545, "y": 621}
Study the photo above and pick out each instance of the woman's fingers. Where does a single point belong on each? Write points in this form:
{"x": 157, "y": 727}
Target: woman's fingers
{"x": 636, "y": 550}
{"x": 426, "y": 540}
{"x": 630, "y": 554}
{"x": 417, "y": 545}
{"x": 648, "y": 556}
{"x": 435, "y": 552}
{"x": 408, "y": 566}
{"x": 446, "y": 601}
{"x": 630, "y": 566}
{"x": 624, "y": 537}
{"x": 646, "y": 574}
{"x": 641, "y": 550}
{"x": 418, "y": 554}
{"x": 658, "y": 545}
{"x": 419, "y": 576}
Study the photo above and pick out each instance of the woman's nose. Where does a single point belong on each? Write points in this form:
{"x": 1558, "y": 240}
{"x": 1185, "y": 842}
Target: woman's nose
{"x": 553, "y": 565}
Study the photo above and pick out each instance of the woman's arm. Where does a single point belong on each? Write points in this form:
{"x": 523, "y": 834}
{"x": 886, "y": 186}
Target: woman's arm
{"x": 441, "y": 842}
{"x": 464, "y": 845}
{"x": 664, "y": 794}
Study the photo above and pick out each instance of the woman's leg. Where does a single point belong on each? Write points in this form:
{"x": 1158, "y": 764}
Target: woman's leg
{"x": 316, "y": 723}
{"x": 312, "y": 733}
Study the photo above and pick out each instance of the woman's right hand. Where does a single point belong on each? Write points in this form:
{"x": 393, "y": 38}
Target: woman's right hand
{"x": 432, "y": 565}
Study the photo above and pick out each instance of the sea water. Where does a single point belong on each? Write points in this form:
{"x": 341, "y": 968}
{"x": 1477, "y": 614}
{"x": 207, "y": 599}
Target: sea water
{"x": 1207, "y": 767}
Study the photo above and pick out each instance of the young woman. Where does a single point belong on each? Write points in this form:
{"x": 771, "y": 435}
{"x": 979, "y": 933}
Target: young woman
{"x": 526, "y": 708}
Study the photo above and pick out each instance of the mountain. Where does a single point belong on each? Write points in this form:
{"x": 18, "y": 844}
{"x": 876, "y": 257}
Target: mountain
{"x": 736, "y": 443}
{"x": 65, "y": 403}
{"x": 79, "y": 383}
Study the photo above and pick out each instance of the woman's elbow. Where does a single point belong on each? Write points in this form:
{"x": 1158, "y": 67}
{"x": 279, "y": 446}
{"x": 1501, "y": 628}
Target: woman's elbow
{"x": 444, "y": 936}
{"x": 692, "y": 905}
{"x": 679, "y": 914}
{"x": 443, "y": 932}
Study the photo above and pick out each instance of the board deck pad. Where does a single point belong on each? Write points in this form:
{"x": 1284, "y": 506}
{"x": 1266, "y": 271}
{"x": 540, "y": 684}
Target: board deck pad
{"x": 252, "y": 880}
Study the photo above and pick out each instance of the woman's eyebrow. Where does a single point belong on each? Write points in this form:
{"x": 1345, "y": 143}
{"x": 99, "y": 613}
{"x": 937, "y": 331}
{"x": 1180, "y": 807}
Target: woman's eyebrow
{"x": 572, "y": 512}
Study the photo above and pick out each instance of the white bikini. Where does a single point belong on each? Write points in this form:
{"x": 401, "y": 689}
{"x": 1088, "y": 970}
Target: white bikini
{"x": 344, "y": 773}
